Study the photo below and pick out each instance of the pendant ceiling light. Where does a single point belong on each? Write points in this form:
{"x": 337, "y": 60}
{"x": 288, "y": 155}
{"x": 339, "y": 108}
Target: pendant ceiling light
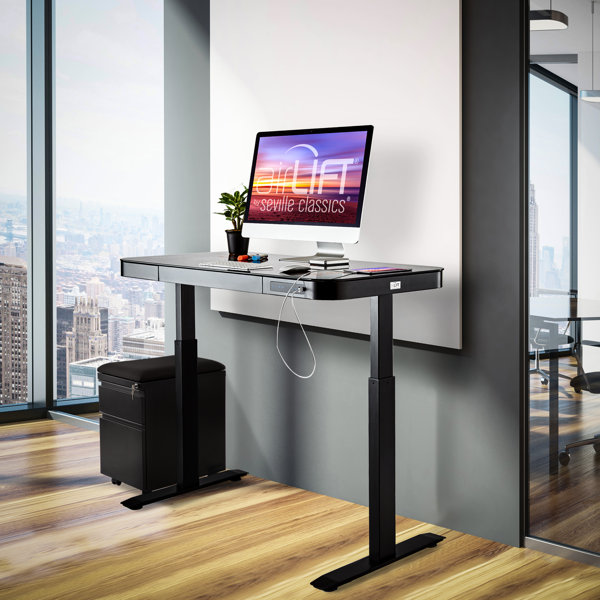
{"x": 547, "y": 20}
{"x": 591, "y": 95}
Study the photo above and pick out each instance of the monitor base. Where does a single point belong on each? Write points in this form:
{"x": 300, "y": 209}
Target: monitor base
{"x": 324, "y": 250}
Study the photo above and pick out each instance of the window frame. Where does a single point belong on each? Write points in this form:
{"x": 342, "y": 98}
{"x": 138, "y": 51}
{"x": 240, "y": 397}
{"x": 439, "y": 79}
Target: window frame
{"x": 41, "y": 216}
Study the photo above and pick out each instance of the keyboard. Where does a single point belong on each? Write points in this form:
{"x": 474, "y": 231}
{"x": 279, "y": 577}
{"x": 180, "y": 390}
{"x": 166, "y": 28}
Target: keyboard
{"x": 234, "y": 265}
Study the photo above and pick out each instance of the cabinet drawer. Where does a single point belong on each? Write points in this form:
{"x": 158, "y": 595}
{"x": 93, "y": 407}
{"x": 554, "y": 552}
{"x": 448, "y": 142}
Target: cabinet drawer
{"x": 124, "y": 402}
{"x": 122, "y": 452}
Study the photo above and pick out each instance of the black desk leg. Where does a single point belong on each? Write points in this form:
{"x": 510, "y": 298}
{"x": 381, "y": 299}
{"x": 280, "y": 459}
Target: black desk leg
{"x": 186, "y": 389}
{"x": 383, "y": 549}
{"x": 578, "y": 346}
{"x": 553, "y": 400}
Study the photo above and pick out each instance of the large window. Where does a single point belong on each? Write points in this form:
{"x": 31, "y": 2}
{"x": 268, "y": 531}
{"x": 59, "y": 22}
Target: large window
{"x": 14, "y": 257}
{"x": 551, "y": 238}
{"x": 109, "y": 185}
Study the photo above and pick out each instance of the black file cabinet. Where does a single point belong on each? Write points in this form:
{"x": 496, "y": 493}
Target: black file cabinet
{"x": 138, "y": 421}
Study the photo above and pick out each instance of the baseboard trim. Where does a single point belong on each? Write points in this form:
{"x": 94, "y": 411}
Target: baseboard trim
{"x": 76, "y": 420}
{"x": 568, "y": 552}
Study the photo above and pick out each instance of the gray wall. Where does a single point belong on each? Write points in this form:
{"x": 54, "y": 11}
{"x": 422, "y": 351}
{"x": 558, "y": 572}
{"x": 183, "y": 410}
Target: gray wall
{"x": 457, "y": 411}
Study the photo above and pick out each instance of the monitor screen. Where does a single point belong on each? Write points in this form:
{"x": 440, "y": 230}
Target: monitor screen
{"x": 309, "y": 177}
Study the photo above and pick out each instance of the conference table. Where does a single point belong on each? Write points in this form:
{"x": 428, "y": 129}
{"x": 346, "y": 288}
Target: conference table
{"x": 554, "y": 310}
{"x": 186, "y": 271}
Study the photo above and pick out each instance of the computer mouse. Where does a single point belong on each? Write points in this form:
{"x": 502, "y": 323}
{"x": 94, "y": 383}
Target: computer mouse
{"x": 295, "y": 269}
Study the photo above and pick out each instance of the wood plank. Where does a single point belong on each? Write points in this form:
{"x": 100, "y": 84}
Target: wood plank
{"x": 64, "y": 534}
{"x": 564, "y": 507}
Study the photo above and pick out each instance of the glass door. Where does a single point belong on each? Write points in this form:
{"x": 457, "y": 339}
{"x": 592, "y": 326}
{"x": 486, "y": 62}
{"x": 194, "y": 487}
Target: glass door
{"x": 564, "y": 290}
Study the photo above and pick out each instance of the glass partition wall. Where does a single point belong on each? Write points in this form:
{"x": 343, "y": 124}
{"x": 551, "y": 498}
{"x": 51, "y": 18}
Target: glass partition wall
{"x": 564, "y": 288}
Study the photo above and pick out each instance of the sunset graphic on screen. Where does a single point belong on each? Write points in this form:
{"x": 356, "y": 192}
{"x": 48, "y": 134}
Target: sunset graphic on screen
{"x": 308, "y": 178}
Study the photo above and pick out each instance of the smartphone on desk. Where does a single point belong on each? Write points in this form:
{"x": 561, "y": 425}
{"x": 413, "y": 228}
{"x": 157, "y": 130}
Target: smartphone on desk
{"x": 379, "y": 270}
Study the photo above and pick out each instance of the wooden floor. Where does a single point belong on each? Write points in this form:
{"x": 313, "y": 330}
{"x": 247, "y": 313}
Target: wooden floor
{"x": 64, "y": 534}
{"x": 565, "y": 507}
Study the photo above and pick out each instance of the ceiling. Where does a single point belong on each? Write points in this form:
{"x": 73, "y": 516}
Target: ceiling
{"x": 576, "y": 39}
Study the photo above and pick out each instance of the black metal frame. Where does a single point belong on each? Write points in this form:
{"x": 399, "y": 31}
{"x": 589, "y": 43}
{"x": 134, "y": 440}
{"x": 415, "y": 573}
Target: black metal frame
{"x": 524, "y": 70}
{"x": 383, "y": 549}
{"x": 186, "y": 390}
{"x": 49, "y": 197}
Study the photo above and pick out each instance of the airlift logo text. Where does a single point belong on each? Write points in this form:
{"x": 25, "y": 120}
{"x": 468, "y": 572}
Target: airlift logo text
{"x": 316, "y": 180}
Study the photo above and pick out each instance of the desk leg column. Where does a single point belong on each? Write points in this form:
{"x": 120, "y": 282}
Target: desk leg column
{"x": 383, "y": 549}
{"x": 553, "y": 390}
{"x": 578, "y": 346}
{"x": 382, "y": 434}
{"x": 186, "y": 388}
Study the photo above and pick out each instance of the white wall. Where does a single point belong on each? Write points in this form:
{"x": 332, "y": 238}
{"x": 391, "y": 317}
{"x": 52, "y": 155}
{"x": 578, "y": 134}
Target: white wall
{"x": 283, "y": 64}
{"x": 588, "y": 249}
{"x": 457, "y": 411}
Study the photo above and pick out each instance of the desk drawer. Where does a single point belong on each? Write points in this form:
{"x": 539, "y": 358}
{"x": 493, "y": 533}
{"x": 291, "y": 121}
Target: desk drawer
{"x": 241, "y": 282}
{"x": 139, "y": 271}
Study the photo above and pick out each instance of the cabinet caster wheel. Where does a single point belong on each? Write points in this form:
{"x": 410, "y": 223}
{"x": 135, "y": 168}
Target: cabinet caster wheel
{"x": 544, "y": 381}
{"x": 115, "y": 482}
{"x": 596, "y": 446}
{"x": 564, "y": 458}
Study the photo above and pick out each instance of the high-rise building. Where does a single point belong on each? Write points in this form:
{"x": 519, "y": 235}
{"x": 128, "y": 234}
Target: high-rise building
{"x": 144, "y": 343}
{"x": 64, "y": 323}
{"x": 565, "y": 268}
{"x": 72, "y": 295}
{"x": 118, "y": 326}
{"x": 83, "y": 377}
{"x": 534, "y": 244}
{"x": 94, "y": 288}
{"x": 13, "y": 330}
{"x": 154, "y": 309}
{"x": 86, "y": 339}
{"x": 550, "y": 276}
{"x": 136, "y": 296}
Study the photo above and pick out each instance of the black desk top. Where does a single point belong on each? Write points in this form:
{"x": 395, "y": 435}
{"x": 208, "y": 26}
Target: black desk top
{"x": 319, "y": 285}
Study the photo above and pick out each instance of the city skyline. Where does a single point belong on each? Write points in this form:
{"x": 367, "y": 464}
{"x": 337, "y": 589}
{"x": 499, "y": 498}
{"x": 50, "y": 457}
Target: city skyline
{"x": 89, "y": 244}
{"x": 550, "y": 161}
{"x": 544, "y": 270}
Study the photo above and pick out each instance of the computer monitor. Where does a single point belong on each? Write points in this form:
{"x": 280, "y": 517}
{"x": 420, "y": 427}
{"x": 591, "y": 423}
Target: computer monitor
{"x": 309, "y": 184}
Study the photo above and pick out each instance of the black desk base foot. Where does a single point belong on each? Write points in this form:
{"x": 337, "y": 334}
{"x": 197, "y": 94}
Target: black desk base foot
{"x": 332, "y": 580}
{"x": 140, "y": 501}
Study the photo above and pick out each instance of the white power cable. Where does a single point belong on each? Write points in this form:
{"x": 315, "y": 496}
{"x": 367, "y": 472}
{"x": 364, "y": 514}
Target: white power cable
{"x": 294, "y": 287}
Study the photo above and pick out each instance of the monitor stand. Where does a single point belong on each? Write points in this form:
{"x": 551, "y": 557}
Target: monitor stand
{"x": 324, "y": 250}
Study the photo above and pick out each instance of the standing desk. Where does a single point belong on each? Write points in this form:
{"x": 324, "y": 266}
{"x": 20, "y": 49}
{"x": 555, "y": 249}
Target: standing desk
{"x": 186, "y": 272}
{"x": 555, "y": 310}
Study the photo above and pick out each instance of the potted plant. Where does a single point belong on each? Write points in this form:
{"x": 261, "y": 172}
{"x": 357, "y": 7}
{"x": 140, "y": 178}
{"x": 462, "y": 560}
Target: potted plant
{"x": 235, "y": 207}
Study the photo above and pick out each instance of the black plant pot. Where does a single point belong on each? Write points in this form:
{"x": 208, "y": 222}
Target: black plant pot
{"x": 236, "y": 244}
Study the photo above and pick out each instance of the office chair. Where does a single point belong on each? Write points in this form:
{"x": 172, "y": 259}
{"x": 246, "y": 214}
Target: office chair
{"x": 539, "y": 340}
{"x": 590, "y": 382}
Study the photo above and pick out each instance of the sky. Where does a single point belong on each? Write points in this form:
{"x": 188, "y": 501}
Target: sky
{"x": 549, "y": 162}
{"x": 13, "y": 98}
{"x": 108, "y": 103}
